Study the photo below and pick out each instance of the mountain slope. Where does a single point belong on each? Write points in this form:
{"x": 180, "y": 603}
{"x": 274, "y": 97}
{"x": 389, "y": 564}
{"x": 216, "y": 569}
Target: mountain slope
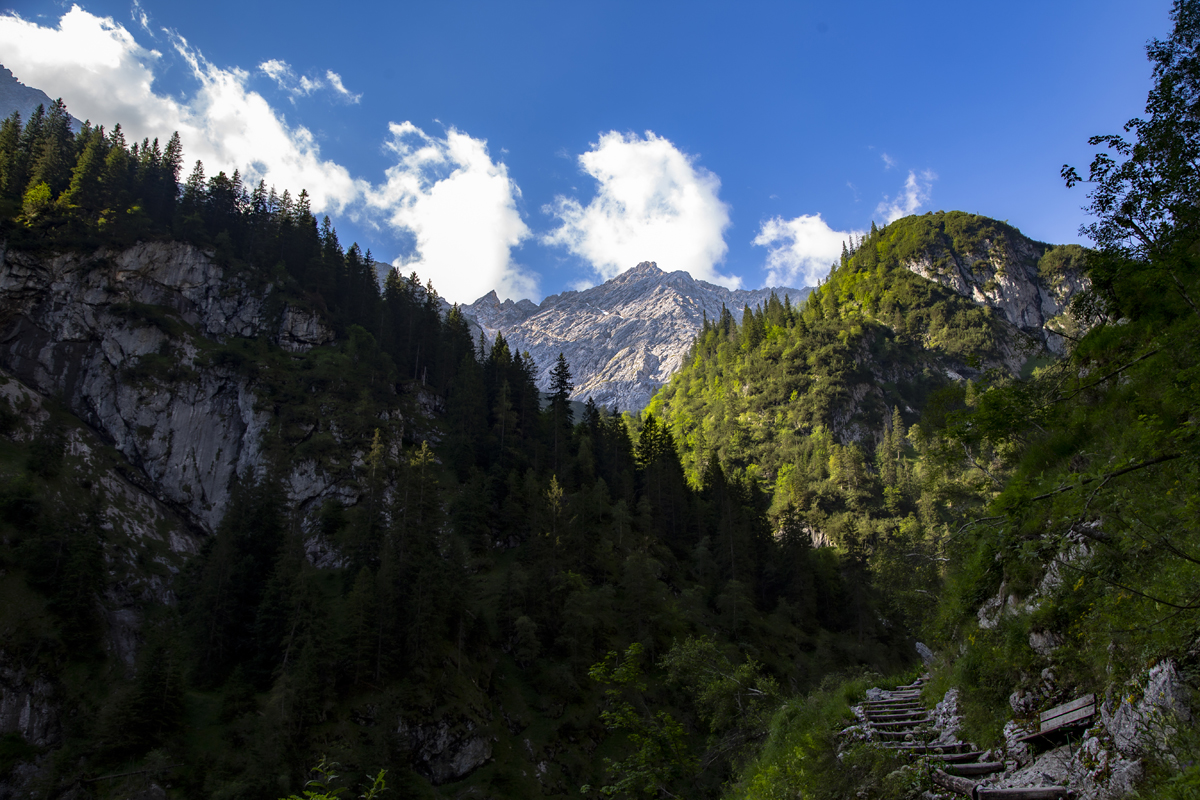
{"x": 875, "y": 337}
{"x": 16, "y": 96}
{"x": 372, "y": 544}
{"x": 624, "y": 338}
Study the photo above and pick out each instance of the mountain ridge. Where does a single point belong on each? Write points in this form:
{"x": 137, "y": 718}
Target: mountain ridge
{"x": 622, "y": 339}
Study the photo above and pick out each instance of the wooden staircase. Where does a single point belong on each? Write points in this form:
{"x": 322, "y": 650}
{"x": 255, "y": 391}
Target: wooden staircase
{"x": 901, "y": 721}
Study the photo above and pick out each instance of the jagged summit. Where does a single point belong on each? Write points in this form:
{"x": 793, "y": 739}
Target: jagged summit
{"x": 623, "y": 338}
{"x": 642, "y": 269}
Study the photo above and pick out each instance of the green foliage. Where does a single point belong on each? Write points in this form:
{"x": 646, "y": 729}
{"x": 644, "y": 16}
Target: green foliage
{"x": 735, "y": 700}
{"x": 660, "y": 757}
{"x": 803, "y": 756}
{"x": 322, "y": 787}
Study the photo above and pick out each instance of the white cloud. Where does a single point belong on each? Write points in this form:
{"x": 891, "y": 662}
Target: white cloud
{"x": 335, "y": 83}
{"x": 801, "y": 250}
{"x": 104, "y": 75}
{"x": 652, "y": 204}
{"x": 888, "y": 161}
{"x": 141, "y": 17}
{"x": 916, "y": 193}
{"x": 282, "y": 73}
{"x": 460, "y": 207}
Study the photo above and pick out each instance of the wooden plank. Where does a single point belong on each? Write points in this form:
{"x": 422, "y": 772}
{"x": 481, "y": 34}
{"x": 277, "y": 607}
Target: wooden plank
{"x": 1068, "y": 719}
{"x": 955, "y": 758}
{"x": 978, "y": 768}
{"x": 907, "y": 718}
{"x": 911, "y": 724}
{"x": 902, "y": 734}
{"x": 926, "y": 747}
{"x": 954, "y": 783}
{"x": 1087, "y": 701}
{"x": 1023, "y": 793}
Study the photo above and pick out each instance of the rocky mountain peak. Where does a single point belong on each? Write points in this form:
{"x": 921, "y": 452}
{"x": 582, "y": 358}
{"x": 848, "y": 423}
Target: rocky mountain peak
{"x": 623, "y": 338}
{"x": 642, "y": 270}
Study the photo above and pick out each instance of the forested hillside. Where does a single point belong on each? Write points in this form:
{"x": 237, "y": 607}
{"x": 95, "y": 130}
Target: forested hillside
{"x": 369, "y": 541}
{"x": 1067, "y": 557}
{"x": 257, "y": 514}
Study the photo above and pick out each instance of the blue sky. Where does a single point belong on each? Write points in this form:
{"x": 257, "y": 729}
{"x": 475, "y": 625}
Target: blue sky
{"x": 541, "y": 146}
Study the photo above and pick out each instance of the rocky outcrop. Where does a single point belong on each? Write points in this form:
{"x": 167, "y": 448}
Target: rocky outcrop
{"x": 1104, "y": 763}
{"x": 446, "y": 750}
{"x": 28, "y": 706}
{"x": 624, "y": 338}
{"x": 120, "y": 337}
{"x": 1012, "y": 275}
{"x": 495, "y": 317}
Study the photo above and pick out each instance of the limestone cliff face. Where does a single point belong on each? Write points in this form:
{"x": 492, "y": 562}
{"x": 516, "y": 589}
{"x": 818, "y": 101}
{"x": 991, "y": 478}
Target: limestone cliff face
{"x": 624, "y": 338}
{"x": 115, "y": 335}
{"x": 494, "y": 317}
{"x": 1011, "y": 274}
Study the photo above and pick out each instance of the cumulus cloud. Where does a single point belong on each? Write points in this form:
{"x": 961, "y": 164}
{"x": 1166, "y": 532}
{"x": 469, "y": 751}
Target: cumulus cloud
{"x": 916, "y": 193}
{"x": 302, "y": 85}
{"x": 461, "y": 209}
{"x": 888, "y": 161}
{"x": 801, "y": 250}
{"x": 458, "y": 206}
{"x": 104, "y": 75}
{"x": 653, "y": 203}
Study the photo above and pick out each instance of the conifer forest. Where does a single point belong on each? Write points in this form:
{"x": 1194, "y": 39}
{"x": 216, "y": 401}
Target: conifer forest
{"x": 274, "y": 527}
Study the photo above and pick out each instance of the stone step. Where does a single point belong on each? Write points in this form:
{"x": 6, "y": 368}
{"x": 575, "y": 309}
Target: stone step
{"x": 882, "y": 707}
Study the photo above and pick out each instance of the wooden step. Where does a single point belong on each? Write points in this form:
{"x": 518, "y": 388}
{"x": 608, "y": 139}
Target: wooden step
{"x": 926, "y": 747}
{"x": 1024, "y": 793}
{"x": 909, "y": 724}
{"x": 956, "y": 758}
{"x": 976, "y": 768}
{"x": 918, "y": 735}
{"x": 963, "y": 786}
{"x": 898, "y": 717}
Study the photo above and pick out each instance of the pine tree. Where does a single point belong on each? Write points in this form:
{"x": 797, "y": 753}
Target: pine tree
{"x": 561, "y": 415}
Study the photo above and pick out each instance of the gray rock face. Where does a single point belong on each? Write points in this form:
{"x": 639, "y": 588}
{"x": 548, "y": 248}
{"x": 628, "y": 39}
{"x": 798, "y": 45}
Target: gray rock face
{"x": 16, "y": 96}
{"x": 495, "y": 317}
{"x": 84, "y": 328}
{"x": 444, "y": 751}
{"x": 624, "y": 338}
{"x": 1004, "y": 275}
{"x": 28, "y": 707}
